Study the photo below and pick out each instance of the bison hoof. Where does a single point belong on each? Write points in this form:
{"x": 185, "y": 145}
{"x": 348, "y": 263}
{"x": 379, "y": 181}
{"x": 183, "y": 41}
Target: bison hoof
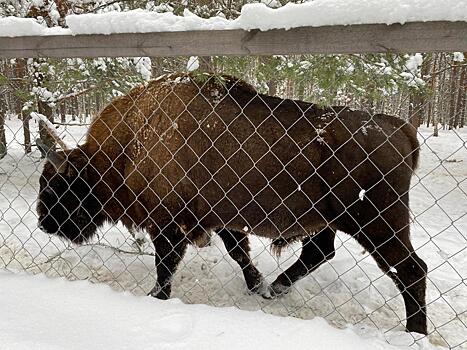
{"x": 276, "y": 290}
{"x": 260, "y": 288}
{"x": 417, "y": 325}
{"x": 159, "y": 293}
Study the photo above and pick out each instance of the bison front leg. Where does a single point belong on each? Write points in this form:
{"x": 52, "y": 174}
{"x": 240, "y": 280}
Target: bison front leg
{"x": 238, "y": 247}
{"x": 170, "y": 246}
{"x": 316, "y": 250}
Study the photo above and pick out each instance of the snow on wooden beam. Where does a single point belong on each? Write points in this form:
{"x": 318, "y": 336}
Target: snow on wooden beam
{"x": 367, "y": 38}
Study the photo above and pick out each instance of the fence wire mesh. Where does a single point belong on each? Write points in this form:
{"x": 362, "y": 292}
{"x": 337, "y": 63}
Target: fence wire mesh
{"x": 223, "y": 177}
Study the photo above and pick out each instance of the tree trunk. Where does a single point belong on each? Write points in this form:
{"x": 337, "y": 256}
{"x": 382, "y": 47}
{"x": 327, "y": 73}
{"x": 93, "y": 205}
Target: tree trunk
{"x": 62, "y": 112}
{"x": 206, "y": 64}
{"x": 272, "y": 87}
{"x": 19, "y": 86}
{"x": 416, "y": 104}
{"x": 289, "y": 89}
{"x": 435, "y": 128}
{"x": 26, "y": 133}
{"x": 452, "y": 96}
{"x": 79, "y": 101}
{"x": 3, "y": 111}
{"x": 439, "y": 115}
{"x": 74, "y": 108}
{"x": 461, "y": 96}
{"x": 44, "y": 134}
{"x": 97, "y": 102}
{"x": 87, "y": 108}
{"x": 20, "y": 73}
{"x": 420, "y": 98}
{"x": 432, "y": 104}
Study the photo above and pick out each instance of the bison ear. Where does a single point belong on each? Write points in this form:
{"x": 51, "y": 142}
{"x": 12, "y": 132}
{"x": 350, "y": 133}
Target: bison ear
{"x": 57, "y": 160}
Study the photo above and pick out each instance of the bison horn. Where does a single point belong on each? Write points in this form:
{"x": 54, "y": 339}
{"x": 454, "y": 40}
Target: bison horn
{"x": 57, "y": 160}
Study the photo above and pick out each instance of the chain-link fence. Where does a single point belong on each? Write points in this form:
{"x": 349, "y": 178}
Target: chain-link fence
{"x": 243, "y": 194}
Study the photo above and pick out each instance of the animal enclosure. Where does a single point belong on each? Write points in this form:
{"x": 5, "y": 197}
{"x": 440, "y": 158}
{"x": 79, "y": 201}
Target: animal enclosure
{"x": 312, "y": 97}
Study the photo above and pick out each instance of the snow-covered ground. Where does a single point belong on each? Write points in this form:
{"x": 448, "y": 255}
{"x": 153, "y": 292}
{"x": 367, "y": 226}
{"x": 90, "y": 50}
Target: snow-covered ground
{"x": 311, "y": 13}
{"x": 348, "y": 290}
{"x": 50, "y": 314}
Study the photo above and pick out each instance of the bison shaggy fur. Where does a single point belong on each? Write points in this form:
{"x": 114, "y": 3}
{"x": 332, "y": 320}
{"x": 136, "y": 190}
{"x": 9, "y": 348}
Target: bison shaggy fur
{"x": 193, "y": 153}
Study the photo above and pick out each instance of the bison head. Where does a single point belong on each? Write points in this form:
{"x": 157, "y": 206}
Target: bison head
{"x": 66, "y": 205}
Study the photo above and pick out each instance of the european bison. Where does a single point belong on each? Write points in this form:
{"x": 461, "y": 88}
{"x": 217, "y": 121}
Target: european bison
{"x": 188, "y": 154}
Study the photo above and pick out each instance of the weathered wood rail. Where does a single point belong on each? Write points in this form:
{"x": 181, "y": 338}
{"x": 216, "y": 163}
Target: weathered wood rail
{"x": 365, "y": 38}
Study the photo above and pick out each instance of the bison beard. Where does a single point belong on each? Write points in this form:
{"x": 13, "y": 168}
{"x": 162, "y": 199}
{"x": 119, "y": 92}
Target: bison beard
{"x": 188, "y": 154}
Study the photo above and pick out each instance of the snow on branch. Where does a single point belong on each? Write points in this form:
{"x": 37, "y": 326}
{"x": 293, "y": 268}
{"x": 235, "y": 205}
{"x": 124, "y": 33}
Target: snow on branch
{"x": 40, "y": 118}
{"x": 75, "y": 94}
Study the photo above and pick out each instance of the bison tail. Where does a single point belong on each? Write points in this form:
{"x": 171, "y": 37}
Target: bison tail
{"x": 277, "y": 245}
{"x": 411, "y": 132}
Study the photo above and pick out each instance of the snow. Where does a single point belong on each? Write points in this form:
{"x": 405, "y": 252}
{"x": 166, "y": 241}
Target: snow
{"x": 42, "y": 118}
{"x": 312, "y": 13}
{"x": 350, "y": 289}
{"x": 13, "y": 26}
{"x": 193, "y": 64}
{"x": 42, "y": 313}
{"x": 413, "y": 65}
{"x": 44, "y": 95}
{"x": 343, "y": 12}
{"x": 141, "y": 21}
{"x": 143, "y": 67}
{"x": 414, "y": 62}
{"x": 361, "y": 194}
{"x": 51, "y": 128}
{"x": 458, "y": 57}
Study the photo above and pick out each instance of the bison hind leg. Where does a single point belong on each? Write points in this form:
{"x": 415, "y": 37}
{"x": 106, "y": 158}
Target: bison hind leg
{"x": 316, "y": 249}
{"x": 396, "y": 257}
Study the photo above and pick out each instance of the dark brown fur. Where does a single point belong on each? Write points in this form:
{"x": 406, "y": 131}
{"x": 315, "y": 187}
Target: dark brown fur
{"x": 189, "y": 154}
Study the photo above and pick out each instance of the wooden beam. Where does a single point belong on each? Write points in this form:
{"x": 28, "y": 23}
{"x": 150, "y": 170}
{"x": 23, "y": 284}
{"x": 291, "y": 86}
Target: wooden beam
{"x": 366, "y": 38}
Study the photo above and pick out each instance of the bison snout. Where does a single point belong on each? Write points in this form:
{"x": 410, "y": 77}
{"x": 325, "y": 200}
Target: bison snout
{"x": 41, "y": 226}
